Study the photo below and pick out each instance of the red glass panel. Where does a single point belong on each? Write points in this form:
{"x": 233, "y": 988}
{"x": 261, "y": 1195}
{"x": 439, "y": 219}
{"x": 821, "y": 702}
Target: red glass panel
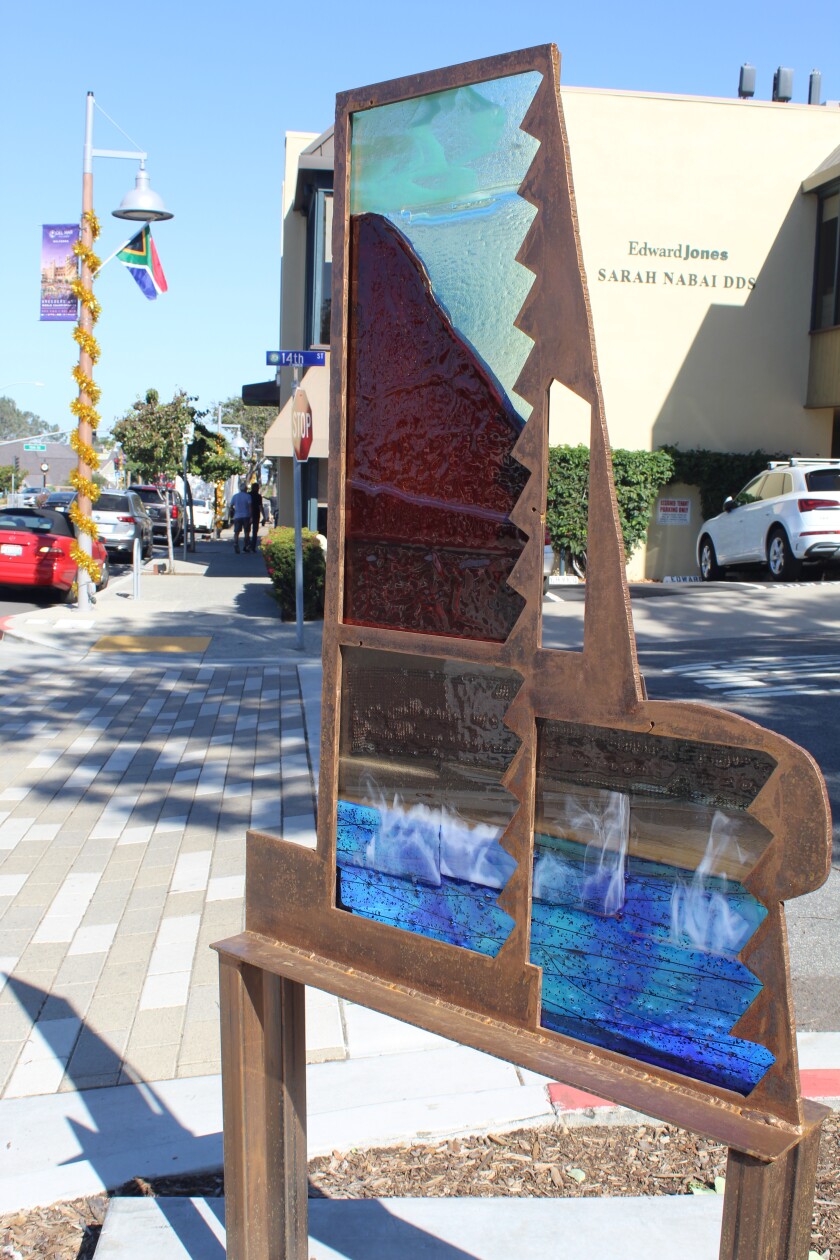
{"x": 431, "y": 478}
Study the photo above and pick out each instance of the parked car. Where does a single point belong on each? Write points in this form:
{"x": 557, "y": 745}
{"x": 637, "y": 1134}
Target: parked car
{"x": 154, "y": 498}
{"x": 120, "y": 517}
{"x": 204, "y": 515}
{"x": 35, "y": 547}
{"x": 787, "y": 516}
{"x": 60, "y": 500}
{"x": 30, "y": 495}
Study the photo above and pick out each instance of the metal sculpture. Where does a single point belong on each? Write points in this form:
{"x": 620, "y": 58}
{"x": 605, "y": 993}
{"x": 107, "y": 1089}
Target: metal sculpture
{"x": 516, "y": 848}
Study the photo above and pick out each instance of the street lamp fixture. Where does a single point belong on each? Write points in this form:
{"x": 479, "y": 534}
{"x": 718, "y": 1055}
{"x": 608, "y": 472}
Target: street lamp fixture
{"x": 140, "y": 205}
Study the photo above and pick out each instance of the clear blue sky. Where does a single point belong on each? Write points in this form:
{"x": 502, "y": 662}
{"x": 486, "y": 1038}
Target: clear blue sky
{"x": 210, "y": 91}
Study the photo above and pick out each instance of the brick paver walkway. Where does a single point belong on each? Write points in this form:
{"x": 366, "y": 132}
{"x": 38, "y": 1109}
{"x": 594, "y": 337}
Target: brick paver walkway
{"x": 126, "y": 792}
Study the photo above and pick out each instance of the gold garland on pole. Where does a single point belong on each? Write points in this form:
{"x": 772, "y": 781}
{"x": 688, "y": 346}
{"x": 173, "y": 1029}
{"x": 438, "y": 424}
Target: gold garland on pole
{"x": 85, "y": 412}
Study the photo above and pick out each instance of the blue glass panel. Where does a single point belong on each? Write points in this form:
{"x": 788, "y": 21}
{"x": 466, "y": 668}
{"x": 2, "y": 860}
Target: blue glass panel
{"x": 403, "y": 872}
{"x": 639, "y": 911}
{"x": 421, "y": 808}
{"x": 445, "y": 169}
{"x": 641, "y": 984}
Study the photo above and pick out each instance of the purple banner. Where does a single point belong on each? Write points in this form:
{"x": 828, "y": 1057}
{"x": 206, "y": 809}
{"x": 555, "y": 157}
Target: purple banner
{"x": 59, "y": 268}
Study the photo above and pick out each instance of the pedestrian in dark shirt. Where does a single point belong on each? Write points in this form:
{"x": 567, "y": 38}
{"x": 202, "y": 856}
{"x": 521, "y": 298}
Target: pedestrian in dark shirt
{"x": 256, "y": 517}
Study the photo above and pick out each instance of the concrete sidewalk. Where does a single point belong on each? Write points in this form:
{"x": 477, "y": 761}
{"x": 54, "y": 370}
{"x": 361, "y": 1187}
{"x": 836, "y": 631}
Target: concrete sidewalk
{"x": 133, "y": 767}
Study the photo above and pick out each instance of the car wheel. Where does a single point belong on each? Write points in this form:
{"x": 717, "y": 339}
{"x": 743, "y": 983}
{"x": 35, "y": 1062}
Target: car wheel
{"x": 710, "y": 570}
{"x": 104, "y": 575}
{"x": 148, "y": 548}
{"x": 782, "y": 563}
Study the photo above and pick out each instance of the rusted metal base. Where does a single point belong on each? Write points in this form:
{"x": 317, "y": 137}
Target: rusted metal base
{"x": 767, "y": 1210}
{"x": 264, "y": 1103}
{"x": 768, "y": 1206}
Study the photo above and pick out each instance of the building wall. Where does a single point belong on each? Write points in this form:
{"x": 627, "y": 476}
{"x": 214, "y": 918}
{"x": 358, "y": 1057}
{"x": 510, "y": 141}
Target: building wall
{"x": 292, "y": 301}
{"x": 702, "y": 352}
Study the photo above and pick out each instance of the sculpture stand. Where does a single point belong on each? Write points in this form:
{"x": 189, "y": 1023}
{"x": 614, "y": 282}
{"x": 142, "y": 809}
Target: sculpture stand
{"x": 767, "y": 1206}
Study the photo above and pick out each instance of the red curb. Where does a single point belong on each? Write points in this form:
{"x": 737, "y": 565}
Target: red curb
{"x": 815, "y": 1082}
{"x": 820, "y": 1082}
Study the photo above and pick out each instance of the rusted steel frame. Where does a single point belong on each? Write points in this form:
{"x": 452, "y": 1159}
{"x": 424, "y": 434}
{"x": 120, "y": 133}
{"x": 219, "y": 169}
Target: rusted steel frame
{"x": 767, "y": 1208}
{"x": 602, "y": 684}
{"x": 264, "y": 1108}
{"x": 720, "y": 1115}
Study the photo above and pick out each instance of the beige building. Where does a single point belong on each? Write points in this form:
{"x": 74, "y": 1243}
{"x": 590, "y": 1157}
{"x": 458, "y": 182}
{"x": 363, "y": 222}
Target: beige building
{"x": 700, "y": 223}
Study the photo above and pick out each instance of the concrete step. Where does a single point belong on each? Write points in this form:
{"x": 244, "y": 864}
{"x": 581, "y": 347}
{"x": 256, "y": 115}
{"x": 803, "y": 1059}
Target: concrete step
{"x": 435, "y": 1229}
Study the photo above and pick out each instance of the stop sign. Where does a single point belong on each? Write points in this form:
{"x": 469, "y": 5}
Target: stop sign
{"x": 301, "y": 426}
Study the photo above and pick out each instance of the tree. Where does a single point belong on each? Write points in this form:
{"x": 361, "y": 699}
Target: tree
{"x": 9, "y": 476}
{"x": 253, "y": 423}
{"x": 15, "y": 423}
{"x": 209, "y": 457}
{"x": 152, "y": 436}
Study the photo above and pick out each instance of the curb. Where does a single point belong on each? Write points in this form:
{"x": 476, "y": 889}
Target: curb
{"x": 818, "y": 1084}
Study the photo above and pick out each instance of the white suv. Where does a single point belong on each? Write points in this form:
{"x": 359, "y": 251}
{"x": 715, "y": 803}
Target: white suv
{"x": 204, "y": 515}
{"x": 786, "y": 516}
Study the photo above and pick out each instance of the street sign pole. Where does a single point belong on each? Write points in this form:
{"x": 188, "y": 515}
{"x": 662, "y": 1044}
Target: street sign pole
{"x": 298, "y": 534}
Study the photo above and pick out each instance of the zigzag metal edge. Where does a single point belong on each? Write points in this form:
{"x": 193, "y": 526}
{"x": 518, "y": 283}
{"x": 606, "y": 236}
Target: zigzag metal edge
{"x": 526, "y": 579}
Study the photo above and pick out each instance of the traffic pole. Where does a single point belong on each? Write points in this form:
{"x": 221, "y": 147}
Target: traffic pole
{"x": 298, "y": 533}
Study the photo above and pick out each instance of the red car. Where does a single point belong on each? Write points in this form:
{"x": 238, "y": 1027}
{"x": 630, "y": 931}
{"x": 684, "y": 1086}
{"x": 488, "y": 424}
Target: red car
{"x": 35, "y": 547}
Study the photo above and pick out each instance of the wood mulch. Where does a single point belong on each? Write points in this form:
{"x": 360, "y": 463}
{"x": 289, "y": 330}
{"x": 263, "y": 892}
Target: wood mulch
{"x": 553, "y": 1162}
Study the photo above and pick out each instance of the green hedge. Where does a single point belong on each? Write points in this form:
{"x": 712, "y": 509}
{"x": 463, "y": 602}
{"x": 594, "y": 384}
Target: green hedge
{"x": 278, "y": 552}
{"x": 717, "y": 474}
{"x": 639, "y": 476}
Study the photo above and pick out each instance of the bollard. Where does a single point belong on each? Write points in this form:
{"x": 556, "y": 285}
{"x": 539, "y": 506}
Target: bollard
{"x": 136, "y": 561}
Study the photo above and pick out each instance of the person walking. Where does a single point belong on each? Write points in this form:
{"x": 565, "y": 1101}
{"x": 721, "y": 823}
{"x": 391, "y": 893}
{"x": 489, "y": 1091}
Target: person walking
{"x": 256, "y": 517}
{"x": 241, "y": 508}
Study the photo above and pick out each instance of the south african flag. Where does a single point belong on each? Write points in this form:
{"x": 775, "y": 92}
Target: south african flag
{"x": 141, "y": 258}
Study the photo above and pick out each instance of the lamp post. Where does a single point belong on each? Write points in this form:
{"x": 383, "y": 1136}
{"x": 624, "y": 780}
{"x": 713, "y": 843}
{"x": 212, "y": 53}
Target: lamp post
{"x": 140, "y": 205}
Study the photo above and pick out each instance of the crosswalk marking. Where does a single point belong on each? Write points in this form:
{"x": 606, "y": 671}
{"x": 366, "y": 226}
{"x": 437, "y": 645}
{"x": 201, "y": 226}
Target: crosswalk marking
{"x": 805, "y": 675}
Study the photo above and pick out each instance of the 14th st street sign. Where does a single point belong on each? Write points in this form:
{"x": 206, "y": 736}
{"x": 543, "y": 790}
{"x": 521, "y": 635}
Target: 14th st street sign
{"x": 301, "y": 426}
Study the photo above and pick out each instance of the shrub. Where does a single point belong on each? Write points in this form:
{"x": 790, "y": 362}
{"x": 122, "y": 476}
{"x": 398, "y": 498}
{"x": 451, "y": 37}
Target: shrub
{"x": 278, "y": 552}
{"x": 638, "y": 475}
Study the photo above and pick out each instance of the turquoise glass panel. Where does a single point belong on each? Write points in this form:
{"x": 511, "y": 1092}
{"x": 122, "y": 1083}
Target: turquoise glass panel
{"x": 445, "y": 169}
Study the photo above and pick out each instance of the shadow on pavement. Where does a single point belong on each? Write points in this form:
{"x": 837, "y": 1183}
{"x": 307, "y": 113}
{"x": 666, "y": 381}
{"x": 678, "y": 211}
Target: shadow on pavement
{"x": 134, "y": 1136}
{"x": 132, "y": 1132}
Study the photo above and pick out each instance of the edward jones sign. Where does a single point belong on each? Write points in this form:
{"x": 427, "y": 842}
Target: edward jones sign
{"x": 678, "y": 266}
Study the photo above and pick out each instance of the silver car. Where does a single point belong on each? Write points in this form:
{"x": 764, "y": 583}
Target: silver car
{"x": 121, "y": 517}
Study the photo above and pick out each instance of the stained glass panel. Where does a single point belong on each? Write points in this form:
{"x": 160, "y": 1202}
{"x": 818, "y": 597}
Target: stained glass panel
{"x": 445, "y": 169}
{"x": 639, "y": 910}
{"x": 421, "y": 808}
{"x": 432, "y": 419}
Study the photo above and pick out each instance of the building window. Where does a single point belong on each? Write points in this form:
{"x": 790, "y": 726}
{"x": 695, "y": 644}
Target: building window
{"x": 826, "y": 288}
{"x": 321, "y": 223}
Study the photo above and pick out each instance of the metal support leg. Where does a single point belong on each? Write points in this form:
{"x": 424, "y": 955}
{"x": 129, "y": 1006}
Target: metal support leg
{"x": 264, "y": 1101}
{"x": 767, "y": 1208}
